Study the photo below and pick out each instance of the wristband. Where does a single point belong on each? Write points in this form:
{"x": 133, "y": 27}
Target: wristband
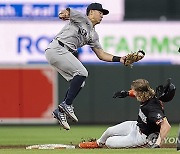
{"x": 131, "y": 93}
{"x": 116, "y": 59}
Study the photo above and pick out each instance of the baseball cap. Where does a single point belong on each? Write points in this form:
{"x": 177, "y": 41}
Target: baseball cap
{"x": 96, "y": 6}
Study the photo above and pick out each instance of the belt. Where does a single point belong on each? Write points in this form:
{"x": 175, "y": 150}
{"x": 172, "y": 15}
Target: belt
{"x": 64, "y": 46}
{"x": 140, "y": 131}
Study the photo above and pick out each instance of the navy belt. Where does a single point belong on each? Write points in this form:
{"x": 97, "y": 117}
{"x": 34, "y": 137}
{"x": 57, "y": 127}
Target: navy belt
{"x": 63, "y": 45}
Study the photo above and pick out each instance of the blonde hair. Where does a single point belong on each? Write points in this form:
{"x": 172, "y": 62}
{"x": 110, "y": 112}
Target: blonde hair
{"x": 143, "y": 90}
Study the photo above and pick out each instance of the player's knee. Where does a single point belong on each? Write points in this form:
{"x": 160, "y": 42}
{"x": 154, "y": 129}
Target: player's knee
{"x": 109, "y": 131}
{"x": 110, "y": 143}
{"x": 84, "y": 73}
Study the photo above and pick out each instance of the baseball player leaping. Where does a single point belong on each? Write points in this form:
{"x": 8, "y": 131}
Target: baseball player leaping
{"x": 151, "y": 126}
{"x": 78, "y": 32}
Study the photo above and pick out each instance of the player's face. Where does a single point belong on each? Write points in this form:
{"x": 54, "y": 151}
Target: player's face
{"x": 97, "y": 16}
{"x": 135, "y": 93}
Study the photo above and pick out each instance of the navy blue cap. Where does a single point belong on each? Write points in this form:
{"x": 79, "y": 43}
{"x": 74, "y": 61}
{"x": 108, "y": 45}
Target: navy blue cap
{"x": 96, "y": 6}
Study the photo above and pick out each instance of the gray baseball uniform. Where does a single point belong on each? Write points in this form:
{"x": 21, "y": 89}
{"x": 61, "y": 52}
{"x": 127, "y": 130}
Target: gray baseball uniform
{"x": 78, "y": 32}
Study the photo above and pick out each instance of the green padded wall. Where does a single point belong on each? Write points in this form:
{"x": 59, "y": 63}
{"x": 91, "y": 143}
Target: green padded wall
{"x": 95, "y": 104}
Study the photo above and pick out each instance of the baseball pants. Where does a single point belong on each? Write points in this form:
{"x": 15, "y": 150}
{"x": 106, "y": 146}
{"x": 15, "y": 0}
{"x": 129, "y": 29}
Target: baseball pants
{"x": 64, "y": 61}
{"x": 123, "y": 135}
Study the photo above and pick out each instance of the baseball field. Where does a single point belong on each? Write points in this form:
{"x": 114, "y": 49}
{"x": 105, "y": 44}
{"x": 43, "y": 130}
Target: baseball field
{"x": 15, "y": 139}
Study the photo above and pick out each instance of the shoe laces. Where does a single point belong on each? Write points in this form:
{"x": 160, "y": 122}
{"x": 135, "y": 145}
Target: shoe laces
{"x": 70, "y": 108}
{"x": 62, "y": 116}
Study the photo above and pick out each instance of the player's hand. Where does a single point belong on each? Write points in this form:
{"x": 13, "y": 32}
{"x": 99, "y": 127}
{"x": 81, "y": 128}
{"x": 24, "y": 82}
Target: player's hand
{"x": 155, "y": 146}
{"x": 122, "y": 60}
{"x": 64, "y": 15}
{"x": 121, "y": 94}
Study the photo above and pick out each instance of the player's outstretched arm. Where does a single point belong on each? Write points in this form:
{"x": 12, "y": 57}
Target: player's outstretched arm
{"x": 127, "y": 60}
{"x": 123, "y": 94}
{"x": 164, "y": 130}
{"x": 104, "y": 56}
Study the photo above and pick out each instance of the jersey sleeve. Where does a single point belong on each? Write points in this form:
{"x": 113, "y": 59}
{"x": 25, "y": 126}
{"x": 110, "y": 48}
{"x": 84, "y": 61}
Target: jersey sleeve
{"x": 94, "y": 43}
{"x": 76, "y": 16}
{"x": 156, "y": 114}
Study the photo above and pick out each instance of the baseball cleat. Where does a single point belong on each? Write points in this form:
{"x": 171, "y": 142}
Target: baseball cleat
{"x": 61, "y": 117}
{"x": 88, "y": 145}
{"x": 68, "y": 109}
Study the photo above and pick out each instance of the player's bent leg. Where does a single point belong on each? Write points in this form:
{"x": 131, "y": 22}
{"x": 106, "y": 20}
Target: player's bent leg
{"x": 75, "y": 87}
{"x": 120, "y": 142}
{"x": 122, "y": 129}
{"x": 73, "y": 91}
{"x": 133, "y": 139}
{"x": 72, "y": 70}
{"x": 61, "y": 117}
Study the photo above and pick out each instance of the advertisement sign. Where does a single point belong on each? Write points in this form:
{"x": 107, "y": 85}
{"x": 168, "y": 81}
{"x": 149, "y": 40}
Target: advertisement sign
{"x": 28, "y": 94}
{"x": 49, "y": 9}
{"x": 25, "y": 42}
{"x": 159, "y": 40}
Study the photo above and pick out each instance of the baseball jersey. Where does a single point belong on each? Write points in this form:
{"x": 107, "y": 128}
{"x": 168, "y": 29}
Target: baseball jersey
{"x": 78, "y": 32}
{"x": 150, "y": 115}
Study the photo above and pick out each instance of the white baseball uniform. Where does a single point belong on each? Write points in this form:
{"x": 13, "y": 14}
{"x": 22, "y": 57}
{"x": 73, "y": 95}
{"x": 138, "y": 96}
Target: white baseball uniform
{"x": 126, "y": 134}
{"x": 135, "y": 133}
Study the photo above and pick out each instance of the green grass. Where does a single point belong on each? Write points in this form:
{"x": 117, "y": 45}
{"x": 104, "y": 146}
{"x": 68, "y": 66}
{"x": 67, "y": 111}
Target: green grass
{"x": 27, "y": 135}
{"x": 91, "y": 151}
{"x": 30, "y": 135}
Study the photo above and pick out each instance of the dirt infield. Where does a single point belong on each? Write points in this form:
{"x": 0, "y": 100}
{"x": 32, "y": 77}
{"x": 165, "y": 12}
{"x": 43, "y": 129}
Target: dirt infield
{"x": 169, "y": 146}
{"x": 24, "y": 146}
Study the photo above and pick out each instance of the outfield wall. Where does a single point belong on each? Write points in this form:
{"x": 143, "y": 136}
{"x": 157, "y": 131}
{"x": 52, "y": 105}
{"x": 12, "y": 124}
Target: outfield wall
{"x": 28, "y": 94}
{"x": 95, "y": 103}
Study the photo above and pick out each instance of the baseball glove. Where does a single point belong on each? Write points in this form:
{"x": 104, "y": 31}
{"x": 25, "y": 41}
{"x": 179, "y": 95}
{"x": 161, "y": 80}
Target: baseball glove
{"x": 133, "y": 57}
